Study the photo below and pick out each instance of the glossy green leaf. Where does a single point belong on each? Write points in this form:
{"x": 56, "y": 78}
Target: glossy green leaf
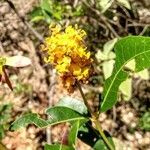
{"x": 91, "y": 137}
{"x": 74, "y": 104}
{"x": 65, "y": 111}
{"x": 73, "y": 133}
{"x": 100, "y": 144}
{"x": 59, "y": 114}
{"x": 27, "y": 119}
{"x": 57, "y": 147}
{"x": 126, "y": 49}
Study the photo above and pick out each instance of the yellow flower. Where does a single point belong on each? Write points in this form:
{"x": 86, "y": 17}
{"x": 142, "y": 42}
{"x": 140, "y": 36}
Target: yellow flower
{"x": 67, "y": 51}
{"x": 63, "y": 64}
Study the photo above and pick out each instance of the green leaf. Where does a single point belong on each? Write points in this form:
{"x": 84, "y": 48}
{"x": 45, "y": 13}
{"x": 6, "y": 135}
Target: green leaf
{"x": 47, "y": 17}
{"x": 91, "y": 137}
{"x": 5, "y": 113}
{"x": 100, "y": 143}
{"x": 57, "y": 147}
{"x": 73, "y": 133}
{"x": 63, "y": 112}
{"x": 37, "y": 11}
{"x": 74, "y": 104}
{"x": 144, "y": 122}
{"x": 2, "y": 132}
{"x": 60, "y": 114}
{"x": 37, "y": 18}
{"x": 28, "y": 119}
{"x": 126, "y": 49}
{"x": 46, "y": 5}
{"x": 36, "y": 15}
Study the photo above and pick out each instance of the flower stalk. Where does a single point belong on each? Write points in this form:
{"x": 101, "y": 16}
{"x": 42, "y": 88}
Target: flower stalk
{"x": 94, "y": 119}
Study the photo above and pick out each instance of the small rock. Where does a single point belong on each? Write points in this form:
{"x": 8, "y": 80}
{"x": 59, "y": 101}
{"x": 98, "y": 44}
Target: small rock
{"x": 9, "y": 27}
{"x": 129, "y": 137}
{"x": 14, "y": 35}
{"x": 4, "y": 9}
{"x": 23, "y": 46}
{"x": 133, "y": 124}
{"x": 138, "y": 135}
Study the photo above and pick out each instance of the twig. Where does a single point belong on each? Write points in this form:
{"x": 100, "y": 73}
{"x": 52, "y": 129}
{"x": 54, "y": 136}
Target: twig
{"x": 75, "y": 3}
{"x": 103, "y": 18}
{"x": 138, "y": 24}
{"x": 84, "y": 98}
{"x": 144, "y": 30}
{"x": 94, "y": 119}
{"x": 1, "y": 48}
{"x": 12, "y": 6}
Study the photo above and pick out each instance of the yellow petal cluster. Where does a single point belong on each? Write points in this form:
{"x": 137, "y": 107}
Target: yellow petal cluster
{"x": 66, "y": 50}
{"x": 2, "y": 63}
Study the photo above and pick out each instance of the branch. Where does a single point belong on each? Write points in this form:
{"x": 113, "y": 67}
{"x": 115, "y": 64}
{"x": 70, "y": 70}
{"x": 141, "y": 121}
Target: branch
{"x": 37, "y": 35}
{"x": 103, "y": 18}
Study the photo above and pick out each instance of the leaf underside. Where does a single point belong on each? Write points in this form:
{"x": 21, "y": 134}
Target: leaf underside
{"x": 126, "y": 49}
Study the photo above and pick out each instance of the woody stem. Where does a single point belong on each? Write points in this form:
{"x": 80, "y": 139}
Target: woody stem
{"x": 94, "y": 119}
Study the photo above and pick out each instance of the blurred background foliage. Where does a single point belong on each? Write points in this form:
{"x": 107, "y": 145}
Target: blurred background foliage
{"x": 5, "y": 118}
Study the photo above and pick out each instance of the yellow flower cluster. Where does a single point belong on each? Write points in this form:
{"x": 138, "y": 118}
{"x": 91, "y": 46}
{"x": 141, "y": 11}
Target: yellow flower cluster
{"x": 66, "y": 50}
{"x": 2, "y": 63}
